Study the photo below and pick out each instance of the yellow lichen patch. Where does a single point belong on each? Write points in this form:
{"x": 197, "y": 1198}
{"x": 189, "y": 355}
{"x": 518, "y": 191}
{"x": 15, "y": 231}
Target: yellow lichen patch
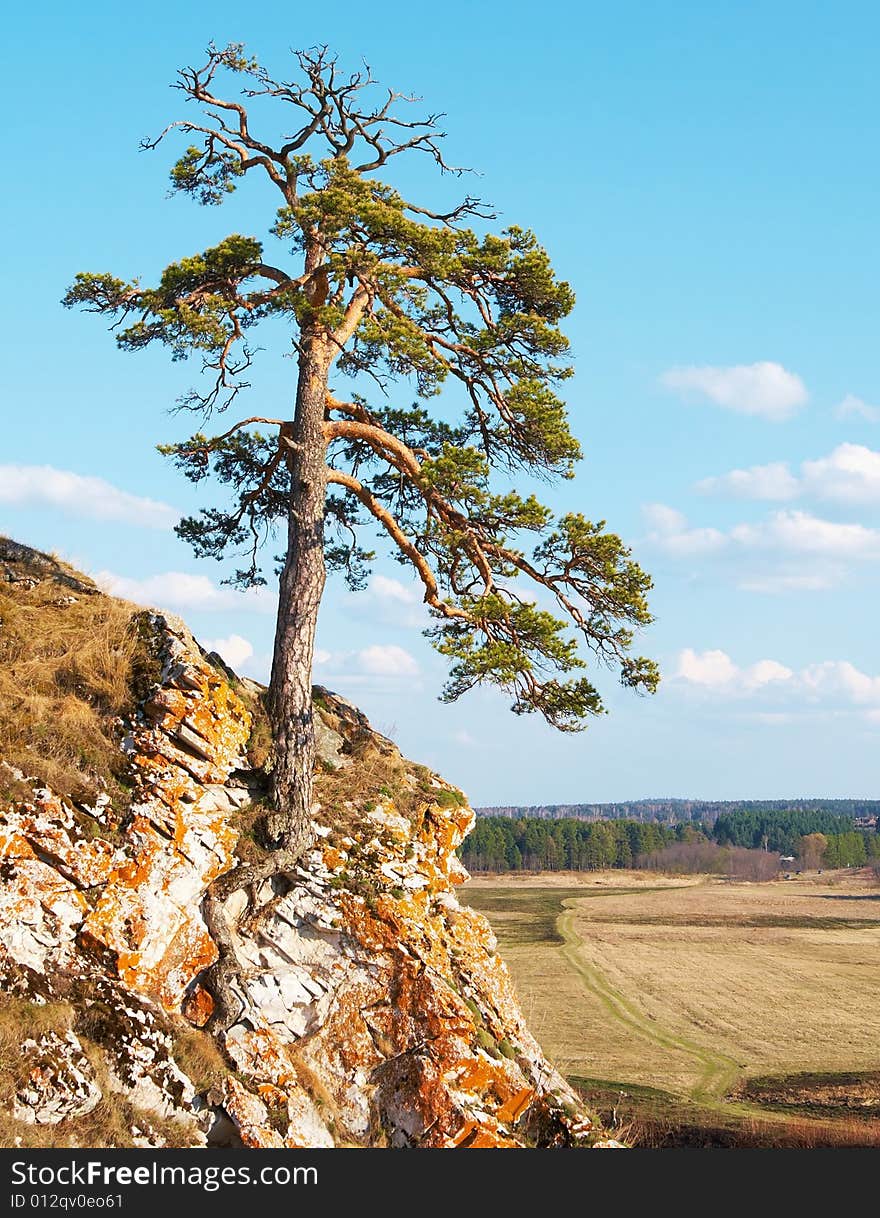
{"x": 249, "y": 1115}
{"x": 191, "y": 951}
{"x": 87, "y": 862}
{"x": 474, "y": 1136}
{"x": 474, "y": 1074}
{"x": 260, "y": 1054}
{"x": 513, "y": 1108}
{"x": 148, "y": 912}
{"x": 332, "y": 858}
{"x": 14, "y": 845}
{"x": 272, "y": 1096}
{"x": 198, "y": 1006}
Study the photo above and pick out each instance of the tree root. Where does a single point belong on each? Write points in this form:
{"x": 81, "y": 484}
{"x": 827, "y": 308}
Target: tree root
{"x": 218, "y": 978}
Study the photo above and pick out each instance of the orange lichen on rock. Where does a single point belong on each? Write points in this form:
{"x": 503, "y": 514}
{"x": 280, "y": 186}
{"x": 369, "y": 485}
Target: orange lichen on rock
{"x": 198, "y": 1005}
{"x": 179, "y": 841}
{"x": 248, "y": 1112}
{"x": 333, "y": 859}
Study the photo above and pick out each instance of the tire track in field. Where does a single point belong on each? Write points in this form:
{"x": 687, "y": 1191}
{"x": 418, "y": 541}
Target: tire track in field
{"x": 717, "y": 1071}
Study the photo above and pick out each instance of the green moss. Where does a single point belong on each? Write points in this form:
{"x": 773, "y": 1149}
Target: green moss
{"x": 486, "y": 1041}
{"x": 146, "y": 662}
{"x": 450, "y": 799}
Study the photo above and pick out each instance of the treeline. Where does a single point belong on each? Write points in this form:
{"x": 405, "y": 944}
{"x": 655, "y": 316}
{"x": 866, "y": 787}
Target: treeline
{"x": 850, "y": 849}
{"x": 674, "y": 811}
{"x": 705, "y": 857}
{"x": 779, "y": 831}
{"x": 499, "y": 844}
{"x": 745, "y": 845}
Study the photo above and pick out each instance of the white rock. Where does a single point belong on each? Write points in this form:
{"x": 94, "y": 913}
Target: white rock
{"x": 60, "y": 1084}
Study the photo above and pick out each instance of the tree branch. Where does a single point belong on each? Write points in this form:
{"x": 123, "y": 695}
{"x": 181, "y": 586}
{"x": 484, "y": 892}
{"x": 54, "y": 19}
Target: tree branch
{"x": 402, "y": 457}
{"x": 400, "y": 539}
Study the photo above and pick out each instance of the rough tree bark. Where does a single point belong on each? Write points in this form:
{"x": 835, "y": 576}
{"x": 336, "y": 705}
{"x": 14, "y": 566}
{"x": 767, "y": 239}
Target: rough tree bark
{"x": 300, "y": 590}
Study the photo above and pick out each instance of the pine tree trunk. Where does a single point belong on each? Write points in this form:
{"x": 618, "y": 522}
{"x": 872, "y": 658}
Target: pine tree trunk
{"x": 300, "y": 590}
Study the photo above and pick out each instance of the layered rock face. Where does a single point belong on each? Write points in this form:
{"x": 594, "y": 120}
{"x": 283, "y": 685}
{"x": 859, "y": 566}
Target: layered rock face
{"x": 374, "y": 1009}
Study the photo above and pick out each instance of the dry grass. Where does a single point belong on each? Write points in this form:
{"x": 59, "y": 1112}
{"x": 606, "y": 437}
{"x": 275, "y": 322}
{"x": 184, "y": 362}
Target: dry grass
{"x": 20, "y": 1019}
{"x": 68, "y": 668}
{"x": 589, "y": 881}
{"x": 685, "y": 989}
{"x": 198, "y": 1055}
{"x": 779, "y": 978}
{"x": 376, "y": 773}
{"x": 109, "y": 1124}
{"x": 708, "y": 1132}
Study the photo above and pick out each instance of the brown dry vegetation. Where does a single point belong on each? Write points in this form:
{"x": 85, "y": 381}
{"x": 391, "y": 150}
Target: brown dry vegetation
{"x": 378, "y": 772}
{"x": 198, "y": 1055}
{"x": 678, "y": 992}
{"x": 109, "y": 1124}
{"x": 71, "y": 662}
{"x": 707, "y": 1130}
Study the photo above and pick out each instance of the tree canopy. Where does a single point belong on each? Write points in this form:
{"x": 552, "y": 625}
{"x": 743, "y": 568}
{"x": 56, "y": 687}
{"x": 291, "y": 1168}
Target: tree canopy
{"x": 404, "y": 302}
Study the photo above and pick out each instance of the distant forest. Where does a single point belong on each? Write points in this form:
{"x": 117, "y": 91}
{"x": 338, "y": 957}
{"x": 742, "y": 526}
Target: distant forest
{"x": 682, "y": 811}
{"x": 747, "y": 843}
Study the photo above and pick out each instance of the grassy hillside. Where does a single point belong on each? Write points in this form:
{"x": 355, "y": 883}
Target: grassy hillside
{"x": 73, "y": 663}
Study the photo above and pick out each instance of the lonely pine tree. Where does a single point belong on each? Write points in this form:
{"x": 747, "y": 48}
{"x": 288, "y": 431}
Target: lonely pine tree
{"x": 405, "y": 301}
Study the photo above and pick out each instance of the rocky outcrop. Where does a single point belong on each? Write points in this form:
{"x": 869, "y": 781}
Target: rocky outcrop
{"x": 373, "y": 1007}
{"x": 60, "y": 1083}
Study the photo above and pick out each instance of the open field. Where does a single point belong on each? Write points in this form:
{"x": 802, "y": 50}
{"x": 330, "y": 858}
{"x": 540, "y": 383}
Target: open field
{"x": 684, "y": 992}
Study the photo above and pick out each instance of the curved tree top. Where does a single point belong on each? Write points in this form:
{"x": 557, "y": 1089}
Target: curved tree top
{"x": 405, "y": 304}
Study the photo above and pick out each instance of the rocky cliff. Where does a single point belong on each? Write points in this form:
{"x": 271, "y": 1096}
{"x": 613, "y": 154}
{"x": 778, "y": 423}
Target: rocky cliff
{"x": 374, "y": 1009}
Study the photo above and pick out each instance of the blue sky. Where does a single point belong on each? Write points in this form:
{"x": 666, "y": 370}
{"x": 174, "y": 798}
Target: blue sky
{"x": 706, "y": 178}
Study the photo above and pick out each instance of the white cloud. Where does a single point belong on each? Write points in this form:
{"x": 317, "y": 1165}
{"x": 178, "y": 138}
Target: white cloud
{"x": 379, "y": 661}
{"x": 764, "y": 389}
{"x": 842, "y": 680}
{"x": 849, "y": 474}
{"x": 764, "y": 673}
{"x": 773, "y": 481}
{"x": 392, "y": 601}
{"x": 792, "y": 581}
{"x": 181, "y": 591}
{"x": 798, "y": 532}
{"x": 708, "y": 668}
{"x": 393, "y": 590}
{"x": 81, "y": 495}
{"x": 786, "y": 534}
{"x": 233, "y": 650}
{"x": 387, "y": 660}
{"x": 669, "y": 531}
{"x": 716, "y": 670}
{"x": 852, "y": 407}
{"x": 829, "y": 684}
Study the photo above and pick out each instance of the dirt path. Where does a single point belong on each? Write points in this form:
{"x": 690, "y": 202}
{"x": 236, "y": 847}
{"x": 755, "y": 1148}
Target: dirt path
{"x": 717, "y": 1071}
